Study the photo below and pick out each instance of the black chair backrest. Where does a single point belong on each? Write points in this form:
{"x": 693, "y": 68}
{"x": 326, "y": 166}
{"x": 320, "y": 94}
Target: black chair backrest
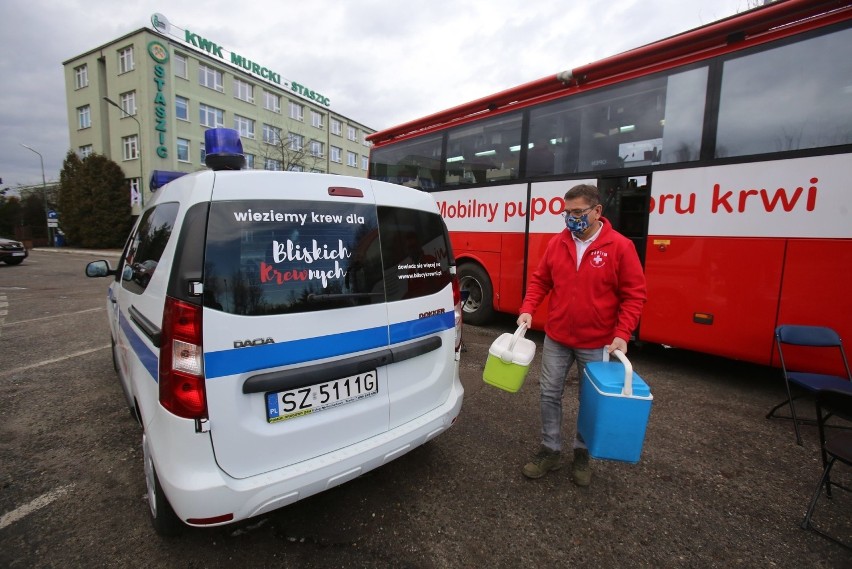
{"x": 816, "y": 336}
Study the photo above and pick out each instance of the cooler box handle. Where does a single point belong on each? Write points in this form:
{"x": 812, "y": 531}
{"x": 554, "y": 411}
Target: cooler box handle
{"x": 627, "y": 390}
{"x": 508, "y": 354}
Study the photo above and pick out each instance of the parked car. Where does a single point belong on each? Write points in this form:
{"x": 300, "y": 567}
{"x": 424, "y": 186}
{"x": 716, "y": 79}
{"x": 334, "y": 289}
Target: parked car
{"x": 142, "y": 272}
{"x": 12, "y": 252}
{"x": 299, "y": 330}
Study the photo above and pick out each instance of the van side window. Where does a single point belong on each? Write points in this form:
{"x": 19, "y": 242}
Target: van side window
{"x": 146, "y": 245}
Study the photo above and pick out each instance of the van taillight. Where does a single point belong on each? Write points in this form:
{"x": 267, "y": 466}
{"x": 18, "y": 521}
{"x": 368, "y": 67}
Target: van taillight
{"x": 457, "y": 307}
{"x": 181, "y": 368}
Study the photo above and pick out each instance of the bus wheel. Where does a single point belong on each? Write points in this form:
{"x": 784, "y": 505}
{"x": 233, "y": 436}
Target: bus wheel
{"x": 479, "y": 307}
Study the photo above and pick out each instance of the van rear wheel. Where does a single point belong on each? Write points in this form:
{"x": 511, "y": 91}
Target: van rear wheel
{"x": 478, "y": 309}
{"x": 163, "y": 517}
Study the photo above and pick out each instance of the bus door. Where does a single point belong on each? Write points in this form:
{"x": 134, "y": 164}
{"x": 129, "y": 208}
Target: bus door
{"x": 626, "y": 204}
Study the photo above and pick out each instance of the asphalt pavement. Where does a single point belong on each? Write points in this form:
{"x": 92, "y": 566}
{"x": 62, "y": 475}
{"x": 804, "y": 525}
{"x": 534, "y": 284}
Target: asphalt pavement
{"x": 718, "y": 485}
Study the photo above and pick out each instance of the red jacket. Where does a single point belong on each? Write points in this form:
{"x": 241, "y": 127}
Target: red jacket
{"x": 600, "y": 301}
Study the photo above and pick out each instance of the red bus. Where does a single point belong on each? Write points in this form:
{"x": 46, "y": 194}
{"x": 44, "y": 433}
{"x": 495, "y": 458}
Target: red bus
{"x": 724, "y": 153}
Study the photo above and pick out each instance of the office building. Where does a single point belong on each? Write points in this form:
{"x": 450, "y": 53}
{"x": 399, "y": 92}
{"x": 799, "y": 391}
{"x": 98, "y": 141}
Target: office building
{"x": 145, "y": 100}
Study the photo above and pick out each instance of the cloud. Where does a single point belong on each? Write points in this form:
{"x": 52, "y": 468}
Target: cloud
{"x": 381, "y": 62}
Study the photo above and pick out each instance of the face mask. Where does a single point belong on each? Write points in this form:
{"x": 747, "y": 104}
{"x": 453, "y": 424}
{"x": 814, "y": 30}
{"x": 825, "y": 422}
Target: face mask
{"x": 577, "y": 225}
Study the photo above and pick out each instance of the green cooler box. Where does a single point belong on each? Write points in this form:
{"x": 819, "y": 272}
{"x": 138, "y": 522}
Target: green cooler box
{"x": 509, "y": 359}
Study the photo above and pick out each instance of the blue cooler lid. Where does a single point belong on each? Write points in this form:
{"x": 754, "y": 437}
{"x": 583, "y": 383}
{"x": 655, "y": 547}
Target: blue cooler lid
{"x": 609, "y": 378}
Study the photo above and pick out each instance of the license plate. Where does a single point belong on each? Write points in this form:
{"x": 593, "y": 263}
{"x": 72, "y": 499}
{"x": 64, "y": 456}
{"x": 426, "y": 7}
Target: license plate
{"x": 18, "y": 254}
{"x": 313, "y": 398}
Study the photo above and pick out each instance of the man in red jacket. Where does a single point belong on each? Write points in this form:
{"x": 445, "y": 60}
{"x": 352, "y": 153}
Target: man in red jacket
{"x": 597, "y": 292}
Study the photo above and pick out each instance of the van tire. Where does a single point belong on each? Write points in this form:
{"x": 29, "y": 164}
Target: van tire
{"x": 478, "y": 309}
{"x": 163, "y": 517}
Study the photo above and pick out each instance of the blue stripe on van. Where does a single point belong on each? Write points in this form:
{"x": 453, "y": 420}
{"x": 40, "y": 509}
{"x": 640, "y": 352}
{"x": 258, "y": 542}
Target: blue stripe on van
{"x": 242, "y": 360}
{"x": 421, "y": 327}
{"x": 138, "y": 345}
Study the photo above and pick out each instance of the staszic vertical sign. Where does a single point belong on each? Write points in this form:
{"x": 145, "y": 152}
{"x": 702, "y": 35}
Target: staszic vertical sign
{"x": 160, "y": 55}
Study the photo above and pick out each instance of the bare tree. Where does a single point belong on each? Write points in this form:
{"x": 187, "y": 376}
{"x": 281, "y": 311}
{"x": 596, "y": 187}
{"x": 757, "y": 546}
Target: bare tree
{"x": 290, "y": 151}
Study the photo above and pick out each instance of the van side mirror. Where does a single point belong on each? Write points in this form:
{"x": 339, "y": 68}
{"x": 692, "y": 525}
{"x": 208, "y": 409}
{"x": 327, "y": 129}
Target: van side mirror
{"x": 99, "y": 269}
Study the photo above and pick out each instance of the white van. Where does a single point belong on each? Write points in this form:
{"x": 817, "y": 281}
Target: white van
{"x": 277, "y": 334}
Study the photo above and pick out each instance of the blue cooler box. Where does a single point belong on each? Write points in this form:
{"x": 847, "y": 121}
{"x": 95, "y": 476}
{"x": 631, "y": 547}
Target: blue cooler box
{"x": 612, "y": 419}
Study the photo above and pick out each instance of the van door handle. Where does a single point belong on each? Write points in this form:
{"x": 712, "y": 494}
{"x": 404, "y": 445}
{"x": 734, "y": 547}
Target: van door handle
{"x": 151, "y": 330}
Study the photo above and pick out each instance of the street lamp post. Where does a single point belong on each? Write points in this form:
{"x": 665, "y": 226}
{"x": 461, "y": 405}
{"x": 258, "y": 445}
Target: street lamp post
{"x": 139, "y": 150}
{"x": 43, "y": 194}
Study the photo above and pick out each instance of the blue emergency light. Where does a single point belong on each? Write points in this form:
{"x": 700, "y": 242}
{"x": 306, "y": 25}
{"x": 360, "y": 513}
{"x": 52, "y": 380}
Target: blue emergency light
{"x": 160, "y": 178}
{"x": 224, "y": 149}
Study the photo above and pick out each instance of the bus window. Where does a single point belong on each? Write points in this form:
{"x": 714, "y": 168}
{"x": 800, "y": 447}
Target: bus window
{"x": 487, "y": 151}
{"x": 415, "y": 163}
{"x": 684, "y": 118}
{"x": 789, "y": 98}
{"x": 559, "y": 126}
{"x": 605, "y": 129}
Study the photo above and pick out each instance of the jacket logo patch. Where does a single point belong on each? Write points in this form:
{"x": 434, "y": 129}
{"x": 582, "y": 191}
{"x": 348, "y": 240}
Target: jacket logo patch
{"x": 598, "y": 258}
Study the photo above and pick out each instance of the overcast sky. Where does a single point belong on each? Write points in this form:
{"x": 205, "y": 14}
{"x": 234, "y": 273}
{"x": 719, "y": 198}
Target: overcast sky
{"x": 381, "y": 62}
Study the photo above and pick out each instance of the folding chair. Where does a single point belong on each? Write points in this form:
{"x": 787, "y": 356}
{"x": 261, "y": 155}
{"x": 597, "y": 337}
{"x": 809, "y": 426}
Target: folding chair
{"x": 836, "y": 447}
{"x": 819, "y": 338}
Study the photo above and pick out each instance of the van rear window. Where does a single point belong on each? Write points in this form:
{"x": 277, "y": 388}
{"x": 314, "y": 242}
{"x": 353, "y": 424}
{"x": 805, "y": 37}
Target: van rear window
{"x": 286, "y": 256}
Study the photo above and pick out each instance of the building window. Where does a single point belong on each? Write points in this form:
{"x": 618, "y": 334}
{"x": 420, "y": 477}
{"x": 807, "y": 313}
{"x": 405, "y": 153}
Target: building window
{"x": 85, "y": 151}
{"x": 243, "y": 91}
{"x": 296, "y": 111}
{"x": 364, "y": 140}
{"x": 81, "y": 76}
{"x": 182, "y": 108}
{"x": 271, "y": 164}
{"x": 271, "y": 102}
{"x": 352, "y": 133}
{"x": 335, "y": 154}
{"x": 128, "y": 102}
{"x": 182, "y": 150}
{"x": 296, "y": 168}
{"x": 125, "y": 60}
{"x": 316, "y": 148}
{"x": 211, "y": 78}
{"x": 296, "y": 141}
{"x": 351, "y": 159}
{"x": 316, "y": 119}
{"x": 249, "y": 161}
{"x": 202, "y": 152}
{"x": 271, "y": 134}
{"x": 84, "y": 117}
{"x": 244, "y": 126}
{"x": 129, "y": 147}
{"x": 335, "y": 127}
{"x": 180, "y": 65}
{"x": 365, "y": 162}
{"x": 135, "y": 196}
{"x": 210, "y": 116}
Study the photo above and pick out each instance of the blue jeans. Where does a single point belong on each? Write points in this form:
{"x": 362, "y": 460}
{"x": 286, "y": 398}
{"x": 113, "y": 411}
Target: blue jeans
{"x": 556, "y": 360}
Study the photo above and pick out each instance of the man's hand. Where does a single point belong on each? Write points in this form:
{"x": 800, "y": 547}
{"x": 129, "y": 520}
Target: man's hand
{"x": 525, "y": 318}
{"x": 617, "y": 344}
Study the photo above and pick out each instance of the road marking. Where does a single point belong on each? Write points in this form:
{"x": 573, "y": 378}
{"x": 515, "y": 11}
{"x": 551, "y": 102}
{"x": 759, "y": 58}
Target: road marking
{"x": 38, "y": 503}
{"x": 54, "y": 360}
{"x": 54, "y": 316}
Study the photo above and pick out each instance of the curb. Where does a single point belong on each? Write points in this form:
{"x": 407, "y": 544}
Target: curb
{"x": 93, "y": 252}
